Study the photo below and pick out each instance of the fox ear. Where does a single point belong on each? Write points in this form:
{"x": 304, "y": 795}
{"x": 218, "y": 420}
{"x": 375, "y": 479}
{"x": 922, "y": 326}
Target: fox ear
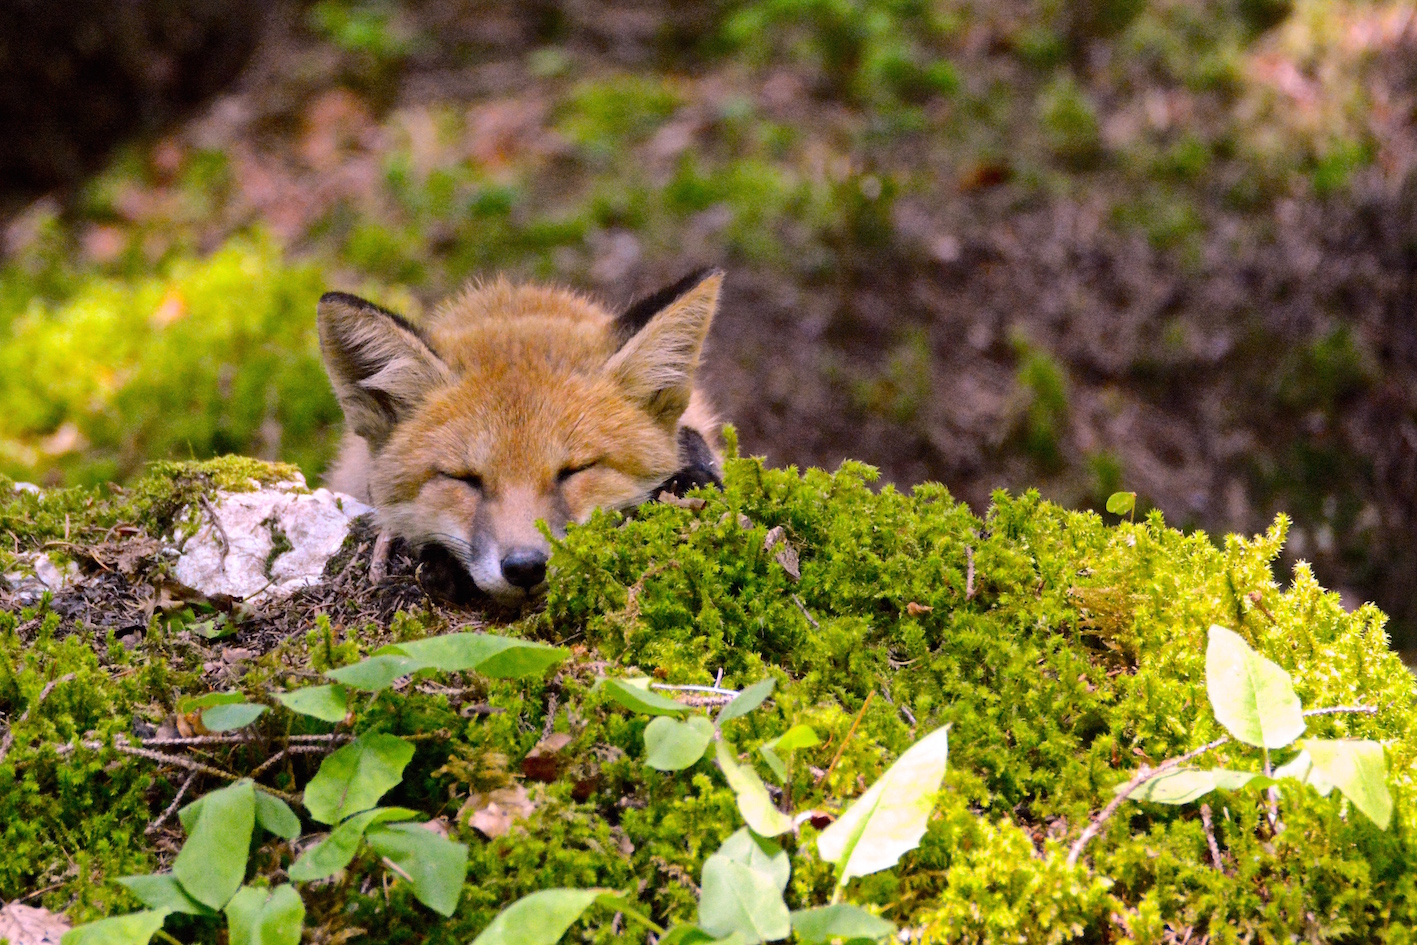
{"x": 379, "y": 364}
{"x": 664, "y": 335}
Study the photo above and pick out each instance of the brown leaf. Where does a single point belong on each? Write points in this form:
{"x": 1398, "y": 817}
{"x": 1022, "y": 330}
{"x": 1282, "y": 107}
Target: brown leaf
{"x": 691, "y": 503}
{"x": 494, "y": 813}
{"x": 543, "y": 763}
{"x": 30, "y": 925}
{"x": 915, "y": 610}
{"x": 787, "y": 557}
{"x": 776, "y": 534}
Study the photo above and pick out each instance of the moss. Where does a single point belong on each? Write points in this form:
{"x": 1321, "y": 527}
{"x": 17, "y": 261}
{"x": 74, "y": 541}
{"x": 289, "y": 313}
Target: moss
{"x": 1063, "y": 651}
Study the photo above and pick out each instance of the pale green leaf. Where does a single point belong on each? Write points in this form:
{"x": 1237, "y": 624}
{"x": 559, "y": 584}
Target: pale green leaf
{"x": 753, "y": 801}
{"x": 1357, "y": 768}
{"x": 842, "y": 921}
{"x": 1184, "y": 785}
{"x": 1251, "y": 696}
{"x": 435, "y": 865}
{"x": 890, "y": 818}
{"x": 335, "y": 851}
{"x": 1120, "y": 503}
{"x": 758, "y": 853}
{"x": 1301, "y": 768}
{"x": 747, "y": 700}
{"x": 212, "y": 863}
{"x": 136, "y": 928}
{"x": 276, "y": 816}
{"x": 798, "y": 736}
{"x": 672, "y": 745}
{"x": 162, "y": 891}
{"x": 206, "y": 701}
{"x": 686, "y": 935}
{"x": 353, "y": 778}
{"x": 225, "y": 718}
{"x": 326, "y": 703}
{"x": 377, "y": 672}
{"x": 265, "y": 916}
{"x": 538, "y": 919}
{"x": 736, "y": 899}
{"x": 453, "y": 652}
{"x": 638, "y": 698}
{"x": 523, "y": 660}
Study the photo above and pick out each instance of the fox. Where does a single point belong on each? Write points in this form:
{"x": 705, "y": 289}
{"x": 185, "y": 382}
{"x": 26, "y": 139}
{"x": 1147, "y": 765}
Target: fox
{"x": 515, "y": 404}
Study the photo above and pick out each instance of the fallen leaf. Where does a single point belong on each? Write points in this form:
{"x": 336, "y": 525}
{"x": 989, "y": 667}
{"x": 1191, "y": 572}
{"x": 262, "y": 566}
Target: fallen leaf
{"x": 30, "y": 925}
{"x": 543, "y": 763}
{"x": 915, "y": 610}
{"x": 494, "y": 813}
{"x": 787, "y": 557}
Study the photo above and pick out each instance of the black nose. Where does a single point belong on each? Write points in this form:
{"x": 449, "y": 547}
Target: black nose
{"x": 524, "y": 567}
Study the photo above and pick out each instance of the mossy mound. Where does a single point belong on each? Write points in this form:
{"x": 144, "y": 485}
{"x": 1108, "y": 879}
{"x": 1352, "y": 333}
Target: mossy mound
{"x": 1065, "y": 653}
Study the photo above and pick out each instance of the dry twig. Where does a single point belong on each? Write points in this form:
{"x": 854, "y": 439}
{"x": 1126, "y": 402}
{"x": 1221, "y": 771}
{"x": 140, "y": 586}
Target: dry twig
{"x": 849, "y": 732}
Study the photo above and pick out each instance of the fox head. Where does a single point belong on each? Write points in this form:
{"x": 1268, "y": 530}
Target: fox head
{"x": 516, "y": 404}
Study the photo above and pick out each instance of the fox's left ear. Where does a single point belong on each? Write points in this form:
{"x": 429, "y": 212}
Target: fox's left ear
{"x": 664, "y": 335}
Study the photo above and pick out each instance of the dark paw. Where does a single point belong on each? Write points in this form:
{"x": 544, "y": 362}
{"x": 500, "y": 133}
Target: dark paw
{"x": 443, "y": 577}
{"x": 692, "y": 477}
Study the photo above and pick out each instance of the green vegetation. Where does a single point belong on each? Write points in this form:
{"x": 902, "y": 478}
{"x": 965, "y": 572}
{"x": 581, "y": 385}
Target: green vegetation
{"x": 1061, "y": 652}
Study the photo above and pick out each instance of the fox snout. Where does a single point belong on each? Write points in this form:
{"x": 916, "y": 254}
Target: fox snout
{"x": 524, "y": 567}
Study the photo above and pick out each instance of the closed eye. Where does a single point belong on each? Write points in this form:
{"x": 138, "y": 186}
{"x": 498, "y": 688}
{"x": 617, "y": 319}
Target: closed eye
{"x": 468, "y": 478}
{"x": 570, "y": 471}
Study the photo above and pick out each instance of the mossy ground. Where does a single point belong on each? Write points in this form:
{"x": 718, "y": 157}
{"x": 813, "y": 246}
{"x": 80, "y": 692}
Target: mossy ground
{"x": 1063, "y": 650}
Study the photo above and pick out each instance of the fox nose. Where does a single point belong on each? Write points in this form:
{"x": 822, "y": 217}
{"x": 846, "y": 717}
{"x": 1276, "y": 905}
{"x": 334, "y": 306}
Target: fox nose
{"x": 524, "y": 567}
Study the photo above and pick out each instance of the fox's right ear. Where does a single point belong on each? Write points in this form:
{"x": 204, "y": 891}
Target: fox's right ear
{"x": 379, "y": 364}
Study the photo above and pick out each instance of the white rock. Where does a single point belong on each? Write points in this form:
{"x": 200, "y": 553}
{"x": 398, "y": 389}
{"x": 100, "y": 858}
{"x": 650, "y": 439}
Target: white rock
{"x": 235, "y": 560}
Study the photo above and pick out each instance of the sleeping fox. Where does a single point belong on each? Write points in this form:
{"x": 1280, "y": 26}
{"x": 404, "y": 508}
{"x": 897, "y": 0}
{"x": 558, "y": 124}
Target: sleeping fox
{"x": 514, "y": 404}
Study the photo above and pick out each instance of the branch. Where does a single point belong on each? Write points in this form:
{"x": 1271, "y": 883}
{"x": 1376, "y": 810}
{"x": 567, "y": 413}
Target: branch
{"x": 1142, "y": 777}
{"x": 1335, "y": 710}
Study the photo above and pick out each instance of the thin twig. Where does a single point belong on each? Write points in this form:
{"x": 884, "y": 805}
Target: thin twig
{"x": 25, "y": 715}
{"x": 803, "y": 607}
{"x": 156, "y": 825}
{"x": 195, "y": 740}
{"x": 1210, "y": 837}
{"x": 217, "y": 526}
{"x": 1142, "y": 777}
{"x": 969, "y": 588}
{"x": 390, "y": 864}
{"x": 849, "y": 732}
{"x": 1335, "y": 710}
{"x": 715, "y": 690}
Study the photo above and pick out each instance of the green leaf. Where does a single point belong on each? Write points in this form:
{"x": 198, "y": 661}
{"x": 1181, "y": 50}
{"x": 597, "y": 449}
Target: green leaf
{"x": 193, "y": 703}
{"x": 1121, "y": 503}
{"x": 265, "y": 916}
{"x": 212, "y": 862}
{"x": 523, "y": 660}
{"x": 890, "y": 818}
{"x": 1358, "y": 768}
{"x": 753, "y": 801}
{"x": 1251, "y": 696}
{"x": 353, "y": 778}
{"x": 747, "y": 700}
{"x": 434, "y": 865}
{"x": 758, "y": 853}
{"x": 162, "y": 891}
{"x": 1301, "y": 768}
{"x": 672, "y": 745}
{"x": 326, "y": 703}
{"x": 224, "y": 718}
{"x": 454, "y": 652}
{"x": 333, "y": 853}
{"x": 1184, "y": 785}
{"x": 376, "y": 672}
{"x": 686, "y": 935}
{"x": 275, "y": 815}
{"x": 634, "y": 694}
{"x": 839, "y": 921}
{"x": 798, "y": 736}
{"x": 538, "y": 919}
{"x": 738, "y": 899}
{"x": 136, "y": 928}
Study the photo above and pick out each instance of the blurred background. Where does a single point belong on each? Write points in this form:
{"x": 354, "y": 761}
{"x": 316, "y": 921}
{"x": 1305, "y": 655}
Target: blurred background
{"x": 1167, "y": 246}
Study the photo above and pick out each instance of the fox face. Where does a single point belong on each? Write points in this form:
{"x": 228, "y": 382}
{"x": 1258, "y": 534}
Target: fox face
{"x": 517, "y": 404}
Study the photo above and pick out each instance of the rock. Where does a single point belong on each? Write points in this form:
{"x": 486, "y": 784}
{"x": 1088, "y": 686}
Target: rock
{"x": 267, "y": 544}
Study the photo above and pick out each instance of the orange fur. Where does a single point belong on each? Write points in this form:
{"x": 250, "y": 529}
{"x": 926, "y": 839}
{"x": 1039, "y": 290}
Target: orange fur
{"x": 513, "y": 404}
